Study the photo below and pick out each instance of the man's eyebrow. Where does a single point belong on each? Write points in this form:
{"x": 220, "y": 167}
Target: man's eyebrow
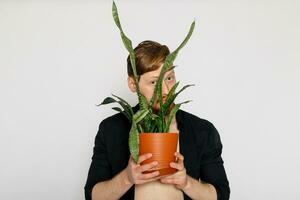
{"x": 171, "y": 72}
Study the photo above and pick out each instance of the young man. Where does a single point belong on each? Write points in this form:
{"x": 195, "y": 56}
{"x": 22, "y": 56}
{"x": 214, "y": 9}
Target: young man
{"x": 114, "y": 175}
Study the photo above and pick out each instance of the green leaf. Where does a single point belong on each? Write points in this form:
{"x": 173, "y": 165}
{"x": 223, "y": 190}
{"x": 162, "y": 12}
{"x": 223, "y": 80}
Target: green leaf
{"x": 154, "y": 129}
{"x": 154, "y": 116}
{"x": 133, "y": 142}
{"x": 187, "y": 37}
{"x": 126, "y": 41}
{"x": 168, "y": 64}
{"x": 141, "y": 130}
{"x": 170, "y": 117}
{"x": 146, "y": 120}
{"x": 143, "y": 102}
{"x": 172, "y": 114}
{"x": 125, "y": 105}
{"x": 183, "y": 88}
{"x": 107, "y": 100}
{"x": 159, "y": 122}
{"x": 170, "y": 68}
{"x": 173, "y": 97}
{"x": 125, "y": 102}
{"x": 128, "y": 45}
{"x": 170, "y": 98}
{"x": 117, "y": 109}
{"x": 137, "y": 117}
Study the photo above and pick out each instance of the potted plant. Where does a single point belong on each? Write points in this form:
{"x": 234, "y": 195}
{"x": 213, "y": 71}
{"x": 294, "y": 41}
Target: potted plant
{"x": 149, "y": 131}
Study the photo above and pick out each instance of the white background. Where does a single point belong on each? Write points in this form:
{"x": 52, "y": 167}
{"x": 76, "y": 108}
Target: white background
{"x": 60, "y": 58}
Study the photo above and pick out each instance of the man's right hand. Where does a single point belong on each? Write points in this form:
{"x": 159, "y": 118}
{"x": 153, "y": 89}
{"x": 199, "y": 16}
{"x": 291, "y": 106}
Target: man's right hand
{"x": 135, "y": 170}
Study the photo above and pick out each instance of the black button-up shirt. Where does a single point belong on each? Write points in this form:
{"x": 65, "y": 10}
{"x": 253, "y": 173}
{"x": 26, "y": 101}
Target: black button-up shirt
{"x": 199, "y": 142}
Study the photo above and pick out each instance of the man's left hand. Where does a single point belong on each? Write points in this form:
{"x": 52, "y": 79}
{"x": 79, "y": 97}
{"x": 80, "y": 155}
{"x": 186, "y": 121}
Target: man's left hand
{"x": 180, "y": 178}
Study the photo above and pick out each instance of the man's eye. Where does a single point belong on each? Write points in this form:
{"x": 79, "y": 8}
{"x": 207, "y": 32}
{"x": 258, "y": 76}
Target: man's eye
{"x": 153, "y": 82}
{"x": 170, "y": 78}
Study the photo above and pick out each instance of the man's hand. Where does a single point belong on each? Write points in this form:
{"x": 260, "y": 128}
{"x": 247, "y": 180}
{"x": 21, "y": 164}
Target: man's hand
{"x": 180, "y": 178}
{"x": 135, "y": 170}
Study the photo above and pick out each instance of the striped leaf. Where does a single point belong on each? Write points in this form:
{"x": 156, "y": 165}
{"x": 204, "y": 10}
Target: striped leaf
{"x": 138, "y": 116}
{"x": 183, "y": 88}
{"x": 172, "y": 114}
{"x": 170, "y": 98}
{"x": 173, "y": 97}
{"x": 125, "y": 105}
{"x": 168, "y": 63}
{"x": 128, "y": 45}
{"x": 133, "y": 142}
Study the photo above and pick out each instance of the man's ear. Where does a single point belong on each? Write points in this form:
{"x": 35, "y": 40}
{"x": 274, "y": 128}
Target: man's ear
{"x": 131, "y": 84}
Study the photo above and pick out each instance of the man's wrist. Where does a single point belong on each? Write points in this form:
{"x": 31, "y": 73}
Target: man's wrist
{"x": 188, "y": 184}
{"x": 125, "y": 178}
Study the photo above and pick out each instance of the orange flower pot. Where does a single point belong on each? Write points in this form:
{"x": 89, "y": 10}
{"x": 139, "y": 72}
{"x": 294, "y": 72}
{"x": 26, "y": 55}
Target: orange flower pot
{"x": 162, "y": 146}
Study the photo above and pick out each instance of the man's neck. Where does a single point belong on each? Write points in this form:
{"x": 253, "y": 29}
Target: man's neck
{"x": 173, "y": 126}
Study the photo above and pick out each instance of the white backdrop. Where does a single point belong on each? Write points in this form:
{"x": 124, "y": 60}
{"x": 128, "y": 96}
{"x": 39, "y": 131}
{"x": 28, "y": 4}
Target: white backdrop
{"x": 60, "y": 58}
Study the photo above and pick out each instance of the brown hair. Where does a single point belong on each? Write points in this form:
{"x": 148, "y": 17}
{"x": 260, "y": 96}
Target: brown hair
{"x": 149, "y": 55}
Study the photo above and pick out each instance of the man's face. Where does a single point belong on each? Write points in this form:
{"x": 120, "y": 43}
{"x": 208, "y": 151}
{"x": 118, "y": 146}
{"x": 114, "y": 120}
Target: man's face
{"x": 148, "y": 81}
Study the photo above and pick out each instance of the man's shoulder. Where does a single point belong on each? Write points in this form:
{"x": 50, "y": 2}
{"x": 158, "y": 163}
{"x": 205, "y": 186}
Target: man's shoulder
{"x": 203, "y": 129}
{"x": 194, "y": 120}
{"x": 114, "y": 129}
{"x": 117, "y": 120}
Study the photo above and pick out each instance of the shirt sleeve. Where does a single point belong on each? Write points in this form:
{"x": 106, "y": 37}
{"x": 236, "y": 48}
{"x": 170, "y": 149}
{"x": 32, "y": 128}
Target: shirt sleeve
{"x": 100, "y": 169}
{"x": 212, "y": 169}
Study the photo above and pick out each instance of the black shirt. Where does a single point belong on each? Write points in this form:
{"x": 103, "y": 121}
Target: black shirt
{"x": 199, "y": 142}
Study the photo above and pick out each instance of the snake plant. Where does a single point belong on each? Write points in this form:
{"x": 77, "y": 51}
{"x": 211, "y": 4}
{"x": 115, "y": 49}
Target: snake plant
{"x": 145, "y": 120}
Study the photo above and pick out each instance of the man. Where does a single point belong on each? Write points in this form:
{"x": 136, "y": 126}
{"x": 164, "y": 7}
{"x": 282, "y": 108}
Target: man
{"x": 114, "y": 175}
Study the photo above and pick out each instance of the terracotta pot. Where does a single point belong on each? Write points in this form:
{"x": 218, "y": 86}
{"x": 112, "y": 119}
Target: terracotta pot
{"x": 163, "y": 147}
